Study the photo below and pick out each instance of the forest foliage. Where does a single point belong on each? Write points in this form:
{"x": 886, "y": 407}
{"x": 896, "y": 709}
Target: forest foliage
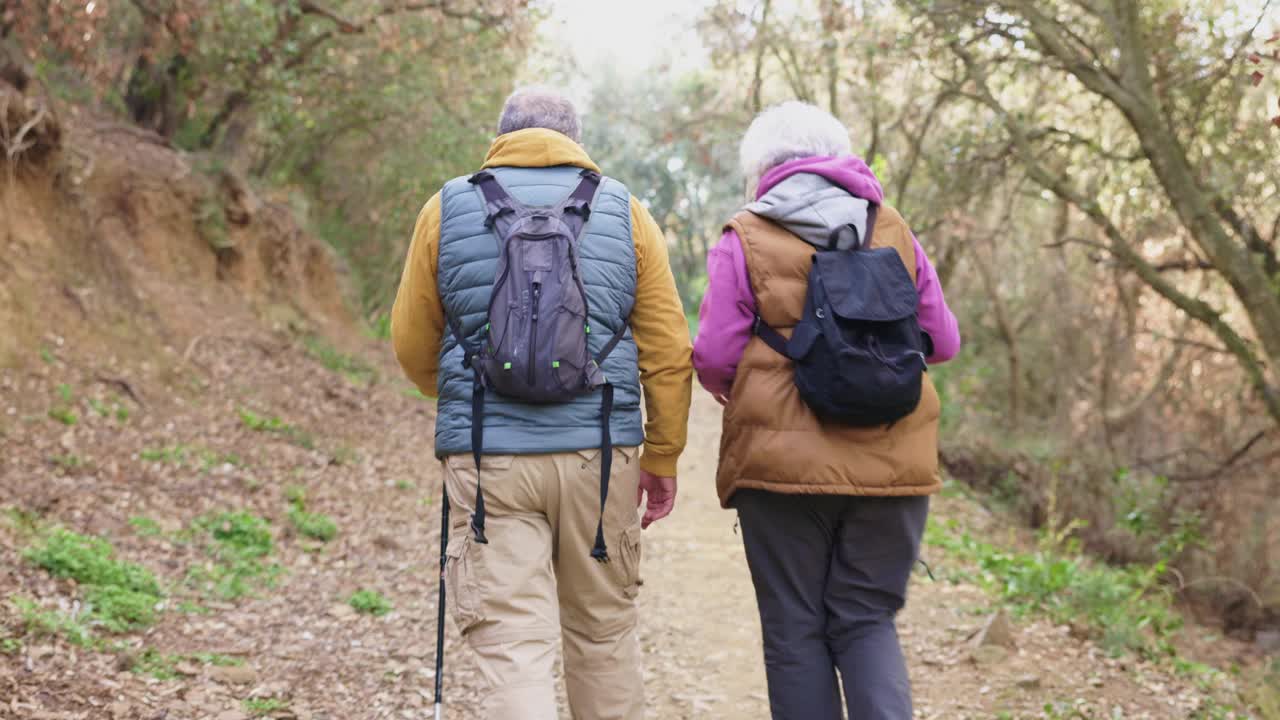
{"x": 1094, "y": 180}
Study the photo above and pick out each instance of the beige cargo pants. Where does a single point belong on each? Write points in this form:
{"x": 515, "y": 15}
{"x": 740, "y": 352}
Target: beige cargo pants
{"x": 535, "y": 582}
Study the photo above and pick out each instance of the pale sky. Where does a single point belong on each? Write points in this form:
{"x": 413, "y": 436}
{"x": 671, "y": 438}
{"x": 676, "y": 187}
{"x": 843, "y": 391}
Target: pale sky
{"x": 632, "y": 35}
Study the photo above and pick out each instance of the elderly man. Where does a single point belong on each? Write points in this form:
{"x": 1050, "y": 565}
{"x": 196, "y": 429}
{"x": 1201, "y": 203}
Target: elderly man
{"x": 546, "y": 538}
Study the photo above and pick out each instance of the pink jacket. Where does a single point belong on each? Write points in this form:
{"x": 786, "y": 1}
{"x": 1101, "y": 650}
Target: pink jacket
{"x": 729, "y": 308}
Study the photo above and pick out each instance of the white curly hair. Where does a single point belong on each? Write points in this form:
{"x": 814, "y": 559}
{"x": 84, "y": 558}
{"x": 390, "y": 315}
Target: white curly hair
{"x": 790, "y": 131}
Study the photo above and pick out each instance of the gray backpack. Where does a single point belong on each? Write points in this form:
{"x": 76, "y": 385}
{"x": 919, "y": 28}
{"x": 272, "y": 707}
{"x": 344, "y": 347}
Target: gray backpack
{"x": 534, "y": 348}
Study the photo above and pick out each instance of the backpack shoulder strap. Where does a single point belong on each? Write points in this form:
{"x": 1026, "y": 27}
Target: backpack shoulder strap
{"x": 873, "y": 210}
{"x": 499, "y": 207}
{"x": 576, "y": 209}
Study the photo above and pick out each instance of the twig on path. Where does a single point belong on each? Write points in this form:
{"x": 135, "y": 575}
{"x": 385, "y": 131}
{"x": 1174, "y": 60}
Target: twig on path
{"x": 124, "y": 386}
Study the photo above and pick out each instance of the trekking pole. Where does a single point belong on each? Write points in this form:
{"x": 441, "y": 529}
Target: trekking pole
{"x": 444, "y": 542}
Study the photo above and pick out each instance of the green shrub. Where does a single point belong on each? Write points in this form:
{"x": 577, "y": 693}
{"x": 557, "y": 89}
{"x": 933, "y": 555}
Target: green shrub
{"x": 89, "y": 561}
{"x": 275, "y": 425}
{"x": 38, "y": 622}
{"x": 238, "y": 544}
{"x": 313, "y": 525}
{"x": 1127, "y": 606}
{"x": 370, "y": 602}
{"x": 206, "y": 658}
{"x": 296, "y": 495}
{"x": 64, "y": 410}
{"x": 238, "y": 533}
{"x": 120, "y": 596}
{"x": 158, "y": 665}
{"x": 145, "y": 526}
{"x": 262, "y": 707}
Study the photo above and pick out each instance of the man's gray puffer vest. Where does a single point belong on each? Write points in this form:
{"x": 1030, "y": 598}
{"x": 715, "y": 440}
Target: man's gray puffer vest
{"x": 468, "y": 262}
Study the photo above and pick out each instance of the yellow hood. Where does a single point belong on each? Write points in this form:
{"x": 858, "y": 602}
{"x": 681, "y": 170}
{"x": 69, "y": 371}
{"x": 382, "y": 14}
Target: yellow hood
{"x": 536, "y": 147}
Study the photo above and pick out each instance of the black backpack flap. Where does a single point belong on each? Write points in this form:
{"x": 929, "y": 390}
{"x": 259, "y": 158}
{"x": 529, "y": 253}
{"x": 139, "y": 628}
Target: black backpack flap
{"x": 870, "y": 285}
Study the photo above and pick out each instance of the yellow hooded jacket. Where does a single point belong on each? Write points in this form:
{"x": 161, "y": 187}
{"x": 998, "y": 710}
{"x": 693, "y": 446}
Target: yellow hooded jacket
{"x": 658, "y": 321}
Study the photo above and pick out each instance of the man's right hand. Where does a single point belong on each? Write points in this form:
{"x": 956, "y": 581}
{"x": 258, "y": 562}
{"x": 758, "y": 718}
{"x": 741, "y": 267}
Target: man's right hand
{"x": 662, "y": 497}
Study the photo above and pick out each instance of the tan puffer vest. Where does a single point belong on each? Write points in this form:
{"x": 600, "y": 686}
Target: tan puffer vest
{"x": 771, "y": 440}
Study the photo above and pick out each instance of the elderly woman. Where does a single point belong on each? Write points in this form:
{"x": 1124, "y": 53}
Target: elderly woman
{"x": 831, "y": 513}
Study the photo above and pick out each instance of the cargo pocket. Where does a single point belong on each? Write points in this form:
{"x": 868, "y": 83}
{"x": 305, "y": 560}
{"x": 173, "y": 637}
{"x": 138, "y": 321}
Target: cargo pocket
{"x": 627, "y": 562}
{"x": 461, "y": 585}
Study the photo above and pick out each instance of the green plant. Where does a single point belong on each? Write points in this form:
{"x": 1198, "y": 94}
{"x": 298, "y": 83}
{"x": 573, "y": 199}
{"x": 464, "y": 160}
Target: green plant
{"x": 46, "y": 356}
{"x": 64, "y": 392}
{"x": 370, "y": 602}
{"x": 261, "y": 707}
{"x": 238, "y": 544}
{"x": 145, "y": 526}
{"x": 206, "y": 658}
{"x": 296, "y": 495}
{"x": 240, "y": 533}
{"x": 10, "y": 646}
{"x": 67, "y": 462}
{"x": 403, "y": 484}
{"x": 379, "y": 327}
{"x": 275, "y": 425}
{"x": 345, "y": 455}
{"x": 210, "y": 459}
{"x": 174, "y": 454}
{"x": 1127, "y": 606}
{"x": 313, "y": 525}
{"x": 66, "y": 416}
{"x": 158, "y": 665}
{"x": 349, "y": 366}
{"x": 120, "y": 595}
{"x": 38, "y": 622}
{"x": 211, "y": 223}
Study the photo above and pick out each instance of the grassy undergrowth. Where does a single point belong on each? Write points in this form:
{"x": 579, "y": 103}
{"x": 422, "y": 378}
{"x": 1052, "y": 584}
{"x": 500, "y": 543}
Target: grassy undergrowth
{"x": 354, "y": 368}
{"x": 1125, "y": 609}
{"x": 370, "y": 602}
{"x": 308, "y": 524}
{"x": 239, "y": 545}
{"x": 118, "y": 596}
{"x": 274, "y": 425}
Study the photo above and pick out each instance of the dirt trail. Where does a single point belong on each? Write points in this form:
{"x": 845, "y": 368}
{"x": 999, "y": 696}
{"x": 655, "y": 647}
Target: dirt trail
{"x": 368, "y": 464}
{"x": 701, "y": 633}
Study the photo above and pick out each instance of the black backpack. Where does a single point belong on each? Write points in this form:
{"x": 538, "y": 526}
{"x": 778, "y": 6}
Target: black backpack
{"x": 535, "y": 339}
{"x": 858, "y": 349}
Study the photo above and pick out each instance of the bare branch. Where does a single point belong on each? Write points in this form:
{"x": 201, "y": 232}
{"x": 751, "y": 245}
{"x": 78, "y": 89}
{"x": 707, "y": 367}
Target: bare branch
{"x": 1118, "y": 244}
{"x": 1073, "y": 138}
{"x": 1182, "y": 265}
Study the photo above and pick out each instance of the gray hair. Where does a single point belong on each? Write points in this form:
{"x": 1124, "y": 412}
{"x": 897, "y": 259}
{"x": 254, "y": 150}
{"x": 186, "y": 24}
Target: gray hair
{"x": 790, "y": 131}
{"x": 540, "y": 107}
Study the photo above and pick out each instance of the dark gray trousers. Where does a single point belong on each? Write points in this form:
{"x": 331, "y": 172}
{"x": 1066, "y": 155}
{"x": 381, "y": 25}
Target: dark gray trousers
{"x": 830, "y": 574}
